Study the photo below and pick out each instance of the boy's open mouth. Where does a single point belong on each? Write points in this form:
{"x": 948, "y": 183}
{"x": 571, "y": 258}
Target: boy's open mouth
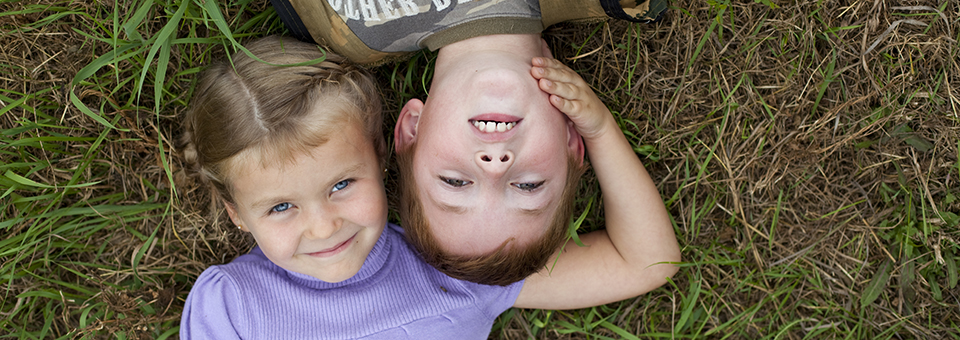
{"x": 489, "y": 126}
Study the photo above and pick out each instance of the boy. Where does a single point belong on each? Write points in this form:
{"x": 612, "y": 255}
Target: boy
{"x": 490, "y": 202}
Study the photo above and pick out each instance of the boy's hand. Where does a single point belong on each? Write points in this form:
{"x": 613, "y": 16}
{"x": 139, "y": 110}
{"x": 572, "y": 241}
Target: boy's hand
{"x": 631, "y": 256}
{"x": 572, "y": 96}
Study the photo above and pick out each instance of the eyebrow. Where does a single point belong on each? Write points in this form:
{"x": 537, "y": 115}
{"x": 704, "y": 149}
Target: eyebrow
{"x": 258, "y": 206}
{"x": 460, "y": 210}
{"x": 456, "y": 209}
{"x": 535, "y": 212}
{"x": 269, "y": 201}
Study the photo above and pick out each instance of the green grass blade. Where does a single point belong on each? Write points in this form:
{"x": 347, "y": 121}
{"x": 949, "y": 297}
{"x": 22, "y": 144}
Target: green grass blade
{"x": 620, "y": 331}
{"x": 572, "y": 231}
{"x": 876, "y": 285}
{"x": 28, "y": 182}
{"x": 158, "y": 42}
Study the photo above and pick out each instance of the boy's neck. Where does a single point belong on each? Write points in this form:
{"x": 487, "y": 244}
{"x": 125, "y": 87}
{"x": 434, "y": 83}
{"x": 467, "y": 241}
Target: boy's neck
{"x": 522, "y": 46}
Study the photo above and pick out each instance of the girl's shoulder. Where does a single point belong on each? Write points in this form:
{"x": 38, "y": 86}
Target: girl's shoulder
{"x": 243, "y": 271}
{"x": 221, "y": 297}
{"x": 206, "y": 313}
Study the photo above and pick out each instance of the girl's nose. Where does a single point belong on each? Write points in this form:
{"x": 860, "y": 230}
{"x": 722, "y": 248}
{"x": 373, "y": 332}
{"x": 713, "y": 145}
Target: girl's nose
{"x": 495, "y": 163}
{"x": 323, "y": 228}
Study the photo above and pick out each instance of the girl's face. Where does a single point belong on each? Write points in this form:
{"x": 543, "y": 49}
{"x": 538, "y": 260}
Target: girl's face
{"x": 320, "y": 214}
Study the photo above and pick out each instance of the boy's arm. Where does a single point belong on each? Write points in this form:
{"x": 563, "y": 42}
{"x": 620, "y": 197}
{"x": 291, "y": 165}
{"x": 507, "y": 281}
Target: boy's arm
{"x": 619, "y": 262}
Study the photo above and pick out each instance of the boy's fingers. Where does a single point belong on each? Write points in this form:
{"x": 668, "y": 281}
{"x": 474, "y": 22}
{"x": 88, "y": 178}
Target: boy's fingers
{"x": 553, "y": 69}
{"x": 545, "y": 85}
{"x": 541, "y": 61}
{"x": 556, "y": 74}
{"x": 550, "y": 62}
{"x": 538, "y": 72}
{"x": 566, "y": 106}
{"x": 565, "y": 90}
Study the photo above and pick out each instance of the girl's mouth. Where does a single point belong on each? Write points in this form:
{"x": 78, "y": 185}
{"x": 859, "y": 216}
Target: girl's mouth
{"x": 335, "y": 249}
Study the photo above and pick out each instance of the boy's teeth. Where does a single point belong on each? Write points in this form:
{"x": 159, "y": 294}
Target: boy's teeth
{"x": 494, "y": 126}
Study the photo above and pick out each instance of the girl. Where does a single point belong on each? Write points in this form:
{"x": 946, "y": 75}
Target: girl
{"x": 296, "y": 154}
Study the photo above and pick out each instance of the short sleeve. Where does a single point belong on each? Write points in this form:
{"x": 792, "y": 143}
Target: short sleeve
{"x": 207, "y": 314}
{"x": 500, "y": 298}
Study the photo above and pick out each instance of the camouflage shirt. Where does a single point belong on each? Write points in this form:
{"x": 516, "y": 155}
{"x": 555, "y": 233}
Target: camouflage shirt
{"x": 374, "y": 31}
{"x": 404, "y": 25}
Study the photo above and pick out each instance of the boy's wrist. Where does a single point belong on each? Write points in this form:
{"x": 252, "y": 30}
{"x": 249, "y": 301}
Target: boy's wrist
{"x": 607, "y": 126}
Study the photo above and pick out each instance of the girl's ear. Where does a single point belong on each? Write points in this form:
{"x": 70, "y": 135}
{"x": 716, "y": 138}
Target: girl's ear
{"x": 575, "y": 142}
{"x": 405, "y": 133}
{"x": 232, "y": 211}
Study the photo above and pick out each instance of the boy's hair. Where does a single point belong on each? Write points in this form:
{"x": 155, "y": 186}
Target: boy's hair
{"x": 276, "y": 111}
{"x": 503, "y": 266}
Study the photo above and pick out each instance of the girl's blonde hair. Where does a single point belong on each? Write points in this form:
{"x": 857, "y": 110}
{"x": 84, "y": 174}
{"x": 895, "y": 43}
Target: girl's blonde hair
{"x": 276, "y": 111}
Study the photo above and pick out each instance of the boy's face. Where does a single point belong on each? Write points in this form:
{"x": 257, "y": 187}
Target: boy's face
{"x": 320, "y": 214}
{"x": 492, "y": 156}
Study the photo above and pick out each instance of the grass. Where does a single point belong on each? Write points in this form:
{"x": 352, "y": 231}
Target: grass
{"x": 807, "y": 151}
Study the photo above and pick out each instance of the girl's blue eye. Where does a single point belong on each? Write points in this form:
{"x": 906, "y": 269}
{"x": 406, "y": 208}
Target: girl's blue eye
{"x": 529, "y": 186}
{"x": 281, "y": 207}
{"x": 341, "y": 185}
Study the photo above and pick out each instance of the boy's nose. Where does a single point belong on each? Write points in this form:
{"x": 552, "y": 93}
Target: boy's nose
{"x": 496, "y": 162}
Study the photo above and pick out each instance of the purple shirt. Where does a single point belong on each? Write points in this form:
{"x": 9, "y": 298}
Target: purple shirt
{"x": 395, "y": 295}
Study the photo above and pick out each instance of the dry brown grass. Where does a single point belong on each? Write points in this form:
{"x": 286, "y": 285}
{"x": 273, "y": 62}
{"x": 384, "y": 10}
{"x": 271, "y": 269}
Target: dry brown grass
{"x": 796, "y": 160}
{"x": 778, "y": 116}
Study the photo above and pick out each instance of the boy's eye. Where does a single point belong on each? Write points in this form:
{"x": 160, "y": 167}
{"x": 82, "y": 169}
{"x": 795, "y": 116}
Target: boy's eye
{"x": 281, "y": 207}
{"x": 342, "y": 185}
{"x": 456, "y": 183}
{"x": 528, "y": 186}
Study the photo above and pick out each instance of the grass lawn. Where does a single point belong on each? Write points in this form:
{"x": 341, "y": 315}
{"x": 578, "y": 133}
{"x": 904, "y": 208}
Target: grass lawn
{"x": 808, "y": 151}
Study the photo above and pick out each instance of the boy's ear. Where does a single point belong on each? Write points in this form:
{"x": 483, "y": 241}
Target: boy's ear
{"x": 575, "y": 142}
{"x": 405, "y": 133}
{"x": 545, "y": 48}
{"x": 232, "y": 211}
